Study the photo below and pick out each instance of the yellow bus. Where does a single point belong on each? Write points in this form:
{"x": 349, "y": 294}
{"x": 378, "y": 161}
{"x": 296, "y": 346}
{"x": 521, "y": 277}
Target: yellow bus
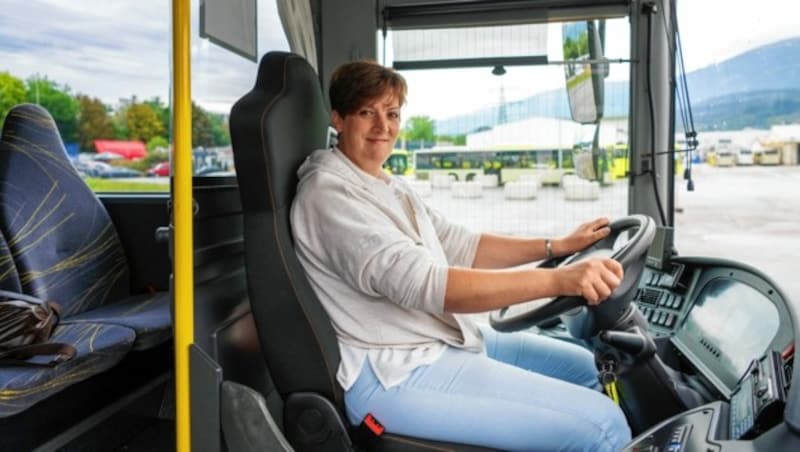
{"x": 768, "y": 157}
{"x": 463, "y": 163}
{"x": 619, "y": 161}
{"x": 399, "y": 163}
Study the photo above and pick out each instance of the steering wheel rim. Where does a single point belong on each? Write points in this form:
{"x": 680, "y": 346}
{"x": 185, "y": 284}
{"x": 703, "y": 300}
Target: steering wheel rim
{"x": 535, "y": 312}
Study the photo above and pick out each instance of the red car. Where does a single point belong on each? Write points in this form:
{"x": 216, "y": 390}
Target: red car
{"x": 159, "y": 169}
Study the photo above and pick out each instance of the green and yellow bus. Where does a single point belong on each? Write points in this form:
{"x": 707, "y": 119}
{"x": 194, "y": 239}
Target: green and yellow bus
{"x": 505, "y": 164}
{"x": 399, "y": 163}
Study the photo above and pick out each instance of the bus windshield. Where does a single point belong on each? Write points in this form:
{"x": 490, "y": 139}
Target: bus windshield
{"x": 501, "y": 158}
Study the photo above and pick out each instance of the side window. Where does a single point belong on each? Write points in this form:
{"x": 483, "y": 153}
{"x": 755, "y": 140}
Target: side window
{"x": 748, "y": 129}
{"x": 104, "y": 75}
{"x": 219, "y": 78}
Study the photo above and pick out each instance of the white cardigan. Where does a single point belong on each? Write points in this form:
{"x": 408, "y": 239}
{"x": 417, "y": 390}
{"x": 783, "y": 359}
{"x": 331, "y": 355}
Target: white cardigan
{"x": 380, "y": 277}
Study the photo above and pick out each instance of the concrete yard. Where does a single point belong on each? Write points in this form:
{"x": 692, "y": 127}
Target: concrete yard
{"x": 747, "y": 213}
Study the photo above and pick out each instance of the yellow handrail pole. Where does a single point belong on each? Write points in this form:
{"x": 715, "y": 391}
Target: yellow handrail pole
{"x": 182, "y": 217}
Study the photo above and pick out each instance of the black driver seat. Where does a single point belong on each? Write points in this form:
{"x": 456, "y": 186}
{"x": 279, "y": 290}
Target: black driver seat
{"x": 274, "y": 128}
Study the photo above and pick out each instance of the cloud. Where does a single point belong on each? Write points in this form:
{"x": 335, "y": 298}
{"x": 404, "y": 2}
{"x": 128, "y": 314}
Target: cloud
{"x": 118, "y": 49}
{"x": 716, "y": 30}
{"x": 114, "y": 49}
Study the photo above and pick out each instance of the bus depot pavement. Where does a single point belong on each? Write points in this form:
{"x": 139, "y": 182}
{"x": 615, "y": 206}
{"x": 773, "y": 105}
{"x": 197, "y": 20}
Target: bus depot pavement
{"x": 749, "y": 214}
{"x": 745, "y": 213}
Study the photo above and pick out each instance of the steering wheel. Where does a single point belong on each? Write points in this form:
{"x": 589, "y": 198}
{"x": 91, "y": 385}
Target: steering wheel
{"x": 631, "y": 256}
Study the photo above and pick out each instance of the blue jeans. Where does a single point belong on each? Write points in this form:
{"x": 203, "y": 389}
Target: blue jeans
{"x": 530, "y": 393}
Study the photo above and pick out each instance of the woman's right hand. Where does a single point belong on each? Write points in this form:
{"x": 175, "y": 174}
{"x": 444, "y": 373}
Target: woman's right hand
{"x": 592, "y": 279}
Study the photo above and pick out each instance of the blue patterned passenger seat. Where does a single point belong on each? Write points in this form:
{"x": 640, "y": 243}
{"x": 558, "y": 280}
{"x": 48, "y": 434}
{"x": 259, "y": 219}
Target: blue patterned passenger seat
{"x": 58, "y": 243}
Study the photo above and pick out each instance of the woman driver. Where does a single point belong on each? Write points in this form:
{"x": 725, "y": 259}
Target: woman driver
{"x": 395, "y": 278}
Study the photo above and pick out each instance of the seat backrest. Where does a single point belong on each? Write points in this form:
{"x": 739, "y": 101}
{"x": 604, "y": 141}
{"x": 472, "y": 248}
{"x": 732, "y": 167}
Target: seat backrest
{"x": 60, "y": 237}
{"x": 274, "y": 128}
{"x": 9, "y": 278}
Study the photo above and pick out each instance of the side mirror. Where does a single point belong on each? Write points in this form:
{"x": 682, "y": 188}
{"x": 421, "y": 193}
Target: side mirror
{"x": 583, "y": 49}
{"x": 585, "y": 71}
{"x": 591, "y": 162}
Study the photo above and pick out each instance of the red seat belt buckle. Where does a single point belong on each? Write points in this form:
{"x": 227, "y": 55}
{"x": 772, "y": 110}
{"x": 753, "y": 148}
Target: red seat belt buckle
{"x": 373, "y": 425}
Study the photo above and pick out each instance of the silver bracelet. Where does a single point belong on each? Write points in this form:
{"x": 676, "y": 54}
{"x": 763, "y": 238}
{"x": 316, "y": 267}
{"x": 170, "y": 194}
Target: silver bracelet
{"x": 548, "y": 248}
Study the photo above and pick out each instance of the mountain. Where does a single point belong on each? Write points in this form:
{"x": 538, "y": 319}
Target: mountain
{"x": 760, "y": 88}
{"x": 753, "y": 109}
{"x": 771, "y": 67}
{"x": 757, "y": 89}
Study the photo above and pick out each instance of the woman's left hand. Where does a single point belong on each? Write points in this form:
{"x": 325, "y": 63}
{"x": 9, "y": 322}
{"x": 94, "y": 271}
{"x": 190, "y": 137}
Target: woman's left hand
{"x": 585, "y": 235}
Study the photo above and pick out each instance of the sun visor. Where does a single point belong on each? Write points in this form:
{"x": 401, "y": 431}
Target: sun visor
{"x": 437, "y": 48}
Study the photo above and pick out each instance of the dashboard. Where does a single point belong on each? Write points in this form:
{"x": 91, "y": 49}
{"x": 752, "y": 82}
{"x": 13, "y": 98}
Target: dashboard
{"x": 702, "y": 358}
{"x": 728, "y": 328}
{"x": 720, "y": 315}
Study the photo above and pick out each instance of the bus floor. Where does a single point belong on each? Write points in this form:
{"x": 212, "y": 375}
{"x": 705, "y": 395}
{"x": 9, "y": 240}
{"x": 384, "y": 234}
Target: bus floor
{"x": 136, "y": 428}
{"x": 152, "y": 436}
{"x": 159, "y": 436}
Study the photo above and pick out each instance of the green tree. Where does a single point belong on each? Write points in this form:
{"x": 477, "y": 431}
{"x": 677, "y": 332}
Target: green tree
{"x": 12, "y": 92}
{"x": 57, "y": 100}
{"x": 202, "y": 128}
{"x": 219, "y": 130}
{"x": 94, "y": 122}
{"x": 163, "y": 112}
{"x": 458, "y": 140}
{"x": 157, "y": 142}
{"x": 150, "y": 160}
{"x": 420, "y": 128}
{"x": 118, "y": 121}
{"x": 142, "y": 122}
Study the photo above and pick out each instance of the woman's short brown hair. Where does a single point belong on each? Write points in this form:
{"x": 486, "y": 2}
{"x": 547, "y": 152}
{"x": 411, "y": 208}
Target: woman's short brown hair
{"x": 356, "y": 83}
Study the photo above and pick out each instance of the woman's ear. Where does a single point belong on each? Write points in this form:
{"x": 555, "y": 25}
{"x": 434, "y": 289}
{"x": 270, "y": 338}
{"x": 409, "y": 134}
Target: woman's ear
{"x": 337, "y": 121}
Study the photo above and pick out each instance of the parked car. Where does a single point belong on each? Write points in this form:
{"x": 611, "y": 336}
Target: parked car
{"x": 119, "y": 172}
{"x": 84, "y": 168}
{"x": 91, "y": 168}
{"x": 215, "y": 169}
{"x": 107, "y": 157}
{"x": 159, "y": 169}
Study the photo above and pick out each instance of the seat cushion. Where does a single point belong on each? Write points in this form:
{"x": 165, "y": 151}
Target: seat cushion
{"x": 149, "y": 316}
{"x": 99, "y": 347}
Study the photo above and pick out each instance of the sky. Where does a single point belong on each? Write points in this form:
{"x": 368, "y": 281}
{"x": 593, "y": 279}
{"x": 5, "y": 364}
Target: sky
{"x": 118, "y": 50}
{"x": 122, "y": 49}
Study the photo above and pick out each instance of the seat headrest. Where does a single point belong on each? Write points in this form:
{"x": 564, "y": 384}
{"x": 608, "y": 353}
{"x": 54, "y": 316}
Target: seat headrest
{"x": 275, "y": 127}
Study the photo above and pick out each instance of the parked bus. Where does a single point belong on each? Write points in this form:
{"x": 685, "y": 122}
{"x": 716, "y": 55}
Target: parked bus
{"x": 506, "y": 164}
{"x": 723, "y": 157}
{"x": 769, "y": 156}
{"x": 744, "y": 157}
{"x": 724, "y": 153}
{"x": 619, "y": 161}
{"x": 399, "y": 163}
{"x": 193, "y": 324}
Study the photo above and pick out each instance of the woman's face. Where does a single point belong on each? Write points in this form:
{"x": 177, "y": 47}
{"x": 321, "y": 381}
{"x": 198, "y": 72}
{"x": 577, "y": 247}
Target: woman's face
{"x": 367, "y": 135}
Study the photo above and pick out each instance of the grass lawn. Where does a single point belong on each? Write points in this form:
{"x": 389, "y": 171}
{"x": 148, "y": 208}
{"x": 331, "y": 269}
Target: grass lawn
{"x": 126, "y": 186}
